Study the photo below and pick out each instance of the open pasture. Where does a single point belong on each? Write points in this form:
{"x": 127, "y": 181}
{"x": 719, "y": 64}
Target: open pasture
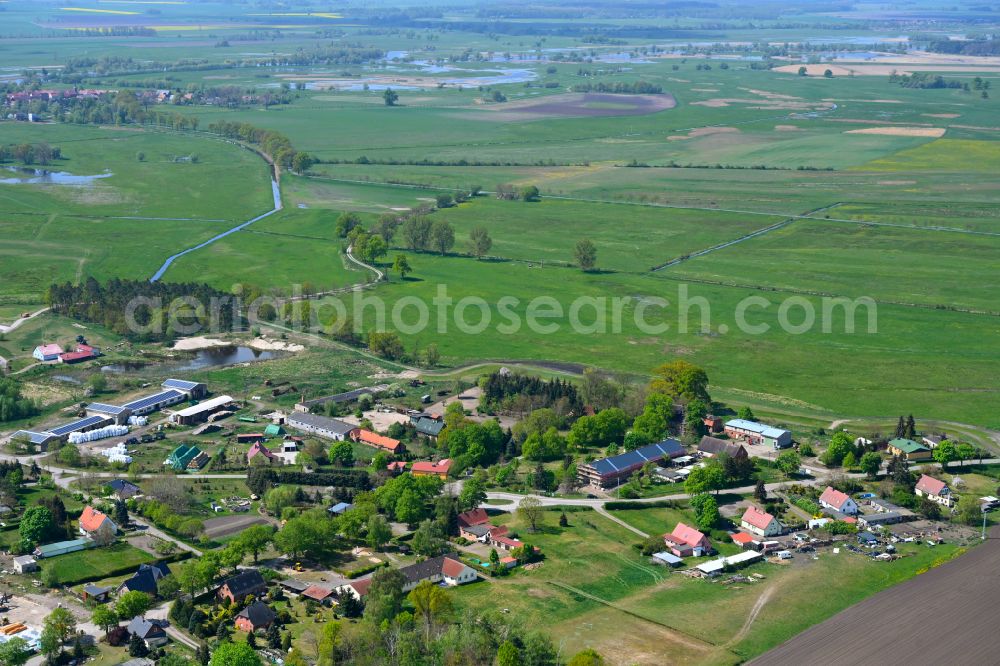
{"x": 546, "y": 231}
{"x": 121, "y": 225}
{"x": 924, "y": 267}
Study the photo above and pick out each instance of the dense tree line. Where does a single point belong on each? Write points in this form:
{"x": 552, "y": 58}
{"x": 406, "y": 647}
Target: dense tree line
{"x": 620, "y": 88}
{"x": 975, "y": 47}
{"x": 925, "y": 80}
{"x": 120, "y": 108}
{"x": 30, "y": 153}
{"x": 108, "y": 303}
{"x": 502, "y": 390}
{"x": 13, "y": 404}
{"x": 260, "y": 479}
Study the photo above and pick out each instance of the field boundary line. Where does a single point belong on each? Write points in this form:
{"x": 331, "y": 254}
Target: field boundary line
{"x": 722, "y": 246}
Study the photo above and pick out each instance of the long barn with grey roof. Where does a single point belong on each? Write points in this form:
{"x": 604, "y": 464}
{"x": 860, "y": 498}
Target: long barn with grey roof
{"x": 608, "y": 472}
{"x": 322, "y": 426}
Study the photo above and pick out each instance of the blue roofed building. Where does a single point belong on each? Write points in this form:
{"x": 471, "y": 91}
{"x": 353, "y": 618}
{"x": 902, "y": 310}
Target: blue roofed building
{"x": 195, "y": 390}
{"x": 86, "y": 424}
{"x": 610, "y": 472}
{"x": 758, "y": 433}
{"x": 155, "y": 402}
{"x": 118, "y": 414}
{"x": 340, "y": 507}
{"x": 40, "y": 440}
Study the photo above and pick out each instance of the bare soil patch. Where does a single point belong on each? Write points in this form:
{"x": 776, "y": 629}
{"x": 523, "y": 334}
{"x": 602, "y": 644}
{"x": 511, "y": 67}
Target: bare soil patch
{"x": 582, "y": 105}
{"x": 703, "y": 131}
{"x": 901, "y": 131}
{"x": 897, "y": 182}
{"x": 787, "y": 128}
{"x": 226, "y": 525}
{"x": 941, "y": 115}
{"x": 705, "y": 89}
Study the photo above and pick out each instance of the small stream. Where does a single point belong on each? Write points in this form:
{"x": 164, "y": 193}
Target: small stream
{"x": 275, "y": 191}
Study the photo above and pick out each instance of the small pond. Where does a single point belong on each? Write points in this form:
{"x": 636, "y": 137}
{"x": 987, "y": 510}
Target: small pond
{"x": 29, "y": 176}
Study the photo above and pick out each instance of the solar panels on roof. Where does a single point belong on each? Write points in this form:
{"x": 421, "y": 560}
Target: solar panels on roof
{"x": 162, "y": 396}
{"x": 79, "y": 424}
{"x": 181, "y": 384}
{"x": 33, "y": 437}
{"x": 105, "y": 408}
{"x": 668, "y": 448}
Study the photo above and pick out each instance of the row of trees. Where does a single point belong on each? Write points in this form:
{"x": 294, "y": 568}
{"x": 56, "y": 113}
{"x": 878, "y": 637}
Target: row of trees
{"x": 274, "y": 144}
{"x": 620, "y": 88}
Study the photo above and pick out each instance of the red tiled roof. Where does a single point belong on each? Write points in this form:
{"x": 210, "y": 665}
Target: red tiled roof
{"x": 361, "y": 586}
{"x": 742, "y": 538}
{"x": 507, "y": 541}
{"x": 76, "y": 356}
{"x": 507, "y": 560}
{"x": 398, "y": 464}
{"x": 850, "y": 519}
{"x": 452, "y": 568}
{"x": 259, "y": 448}
{"x": 91, "y": 519}
{"x": 687, "y": 534}
{"x": 930, "y": 485}
{"x": 833, "y": 497}
{"x": 316, "y": 592}
{"x": 473, "y": 517}
{"x": 757, "y": 518}
{"x": 377, "y": 440}
{"x": 498, "y": 531}
{"x": 440, "y": 467}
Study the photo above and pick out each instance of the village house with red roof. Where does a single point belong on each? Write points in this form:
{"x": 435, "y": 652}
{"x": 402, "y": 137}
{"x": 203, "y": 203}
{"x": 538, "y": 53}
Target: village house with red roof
{"x": 98, "y": 526}
{"x": 760, "y": 522}
{"x": 370, "y": 438}
{"x": 934, "y": 489}
{"x": 686, "y": 541}
{"x": 439, "y": 469}
{"x": 838, "y": 501}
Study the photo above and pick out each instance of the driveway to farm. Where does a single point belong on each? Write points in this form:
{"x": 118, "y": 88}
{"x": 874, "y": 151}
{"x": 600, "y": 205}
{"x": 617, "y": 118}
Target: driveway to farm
{"x": 7, "y": 328}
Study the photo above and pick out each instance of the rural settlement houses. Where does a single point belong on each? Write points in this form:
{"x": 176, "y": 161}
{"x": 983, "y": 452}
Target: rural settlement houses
{"x": 837, "y": 501}
{"x": 760, "y": 522}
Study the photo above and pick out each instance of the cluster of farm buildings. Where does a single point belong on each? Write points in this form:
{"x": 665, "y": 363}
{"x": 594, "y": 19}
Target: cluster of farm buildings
{"x": 612, "y": 471}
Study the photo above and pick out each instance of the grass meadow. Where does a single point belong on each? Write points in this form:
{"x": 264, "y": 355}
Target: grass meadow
{"x": 96, "y": 562}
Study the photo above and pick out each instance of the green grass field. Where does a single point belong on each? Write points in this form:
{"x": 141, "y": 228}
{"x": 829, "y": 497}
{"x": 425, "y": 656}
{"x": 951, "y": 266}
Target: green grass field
{"x": 127, "y": 224}
{"x": 95, "y": 562}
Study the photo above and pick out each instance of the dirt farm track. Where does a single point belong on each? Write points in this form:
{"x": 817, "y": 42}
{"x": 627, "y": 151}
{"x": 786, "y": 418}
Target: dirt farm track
{"x": 947, "y": 615}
